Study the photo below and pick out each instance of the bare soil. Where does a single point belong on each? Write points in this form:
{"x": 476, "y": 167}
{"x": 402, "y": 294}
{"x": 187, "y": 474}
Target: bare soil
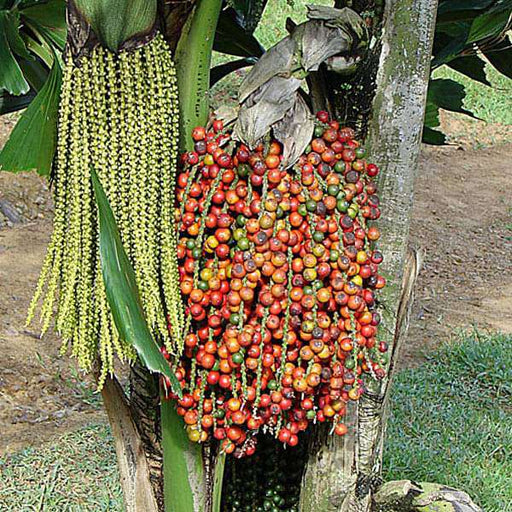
{"x": 462, "y": 219}
{"x": 41, "y": 393}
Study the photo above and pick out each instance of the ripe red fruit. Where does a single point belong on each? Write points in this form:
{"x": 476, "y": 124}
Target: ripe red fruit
{"x": 340, "y": 429}
{"x": 218, "y": 125}
{"x": 225, "y": 381}
{"x": 213, "y": 378}
{"x": 294, "y": 440}
{"x": 198, "y": 133}
{"x": 372, "y": 170}
{"x": 219, "y": 434}
{"x": 323, "y": 116}
{"x": 192, "y": 158}
{"x": 284, "y": 435}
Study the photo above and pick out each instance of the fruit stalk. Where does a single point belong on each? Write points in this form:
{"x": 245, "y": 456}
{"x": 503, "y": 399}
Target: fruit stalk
{"x": 193, "y": 58}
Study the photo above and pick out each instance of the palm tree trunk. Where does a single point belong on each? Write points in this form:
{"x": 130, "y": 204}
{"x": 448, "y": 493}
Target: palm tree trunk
{"x": 131, "y": 459}
{"x": 342, "y": 473}
{"x": 145, "y": 411}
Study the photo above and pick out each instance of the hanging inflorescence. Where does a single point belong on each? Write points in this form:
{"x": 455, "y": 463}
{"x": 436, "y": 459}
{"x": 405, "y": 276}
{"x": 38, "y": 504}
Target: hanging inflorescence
{"x": 279, "y": 269}
{"x": 119, "y": 115}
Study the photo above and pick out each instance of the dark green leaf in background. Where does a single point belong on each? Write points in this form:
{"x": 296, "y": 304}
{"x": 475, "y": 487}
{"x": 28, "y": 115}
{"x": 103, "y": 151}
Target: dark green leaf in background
{"x": 453, "y": 29}
{"x": 451, "y": 10}
{"x": 492, "y": 22}
{"x": 49, "y": 19}
{"x": 36, "y": 73}
{"x": 115, "y": 21}
{"x": 472, "y": 66}
{"x": 44, "y": 51}
{"x": 11, "y": 76}
{"x": 231, "y": 38}
{"x": 122, "y": 292}
{"x": 33, "y": 141}
{"x": 448, "y": 94}
{"x": 449, "y": 48}
{"x": 461, "y": 26}
{"x": 433, "y": 137}
{"x": 10, "y": 103}
{"x": 249, "y": 12}
{"x": 431, "y": 115}
{"x": 219, "y": 72}
{"x": 500, "y": 56}
{"x": 13, "y": 36}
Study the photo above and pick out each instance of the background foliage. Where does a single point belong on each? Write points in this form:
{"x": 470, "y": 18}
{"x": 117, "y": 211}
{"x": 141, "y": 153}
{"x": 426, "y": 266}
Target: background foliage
{"x": 470, "y": 35}
{"x": 32, "y": 38}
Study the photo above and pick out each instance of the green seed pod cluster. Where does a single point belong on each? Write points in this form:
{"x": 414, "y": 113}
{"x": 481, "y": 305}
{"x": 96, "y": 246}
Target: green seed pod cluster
{"x": 119, "y": 115}
{"x": 269, "y": 480}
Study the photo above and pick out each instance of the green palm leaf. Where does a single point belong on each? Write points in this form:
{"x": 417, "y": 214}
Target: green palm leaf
{"x": 122, "y": 292}
{"x": 33, "y": 141}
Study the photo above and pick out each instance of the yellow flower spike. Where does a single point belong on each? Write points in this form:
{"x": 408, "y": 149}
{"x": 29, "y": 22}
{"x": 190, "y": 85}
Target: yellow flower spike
{"x": 166, "y": 82}
{"x": 63, "y": 195}
{"x": 161, "y": 156}
{"x": 104, "y": 347}
{"x": 83, "y": 285}
{"x": 56, "y": 240}
{"x": 139, "y": 181}
{"x": 118, "y": 114}
{"x": 68, "y": 301}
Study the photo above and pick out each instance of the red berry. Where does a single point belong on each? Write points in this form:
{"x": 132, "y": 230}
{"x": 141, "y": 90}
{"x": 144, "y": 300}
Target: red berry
{"x": 198, "y": 133}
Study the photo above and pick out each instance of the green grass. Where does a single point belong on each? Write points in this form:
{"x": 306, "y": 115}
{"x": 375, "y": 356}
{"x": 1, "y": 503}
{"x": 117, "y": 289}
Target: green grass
{"x": 452, "y": 418}
{"x": 77, "y": 473}
{"x": 451, "y": 424}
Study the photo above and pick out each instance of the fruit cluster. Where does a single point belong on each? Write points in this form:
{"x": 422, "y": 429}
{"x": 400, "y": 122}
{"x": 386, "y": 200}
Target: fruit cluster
{"x": 279, "y": 269}
{"x": 269, "y": 481}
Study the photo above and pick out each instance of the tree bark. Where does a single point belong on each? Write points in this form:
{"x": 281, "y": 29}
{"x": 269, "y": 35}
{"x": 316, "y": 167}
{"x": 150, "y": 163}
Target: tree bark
{"x": 145, "y": 410}
{"x": 407, "y": 496}
{"x": 342, "y": 473}
{"x": 131, "y": 458}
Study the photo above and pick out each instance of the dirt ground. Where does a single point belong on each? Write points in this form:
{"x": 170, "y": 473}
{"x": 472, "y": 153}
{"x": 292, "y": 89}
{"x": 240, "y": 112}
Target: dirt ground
{"x": 462, "y": 219}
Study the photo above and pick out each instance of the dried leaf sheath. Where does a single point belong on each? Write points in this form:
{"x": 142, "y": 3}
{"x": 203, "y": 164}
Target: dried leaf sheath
{"x": 118, "y": 115}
